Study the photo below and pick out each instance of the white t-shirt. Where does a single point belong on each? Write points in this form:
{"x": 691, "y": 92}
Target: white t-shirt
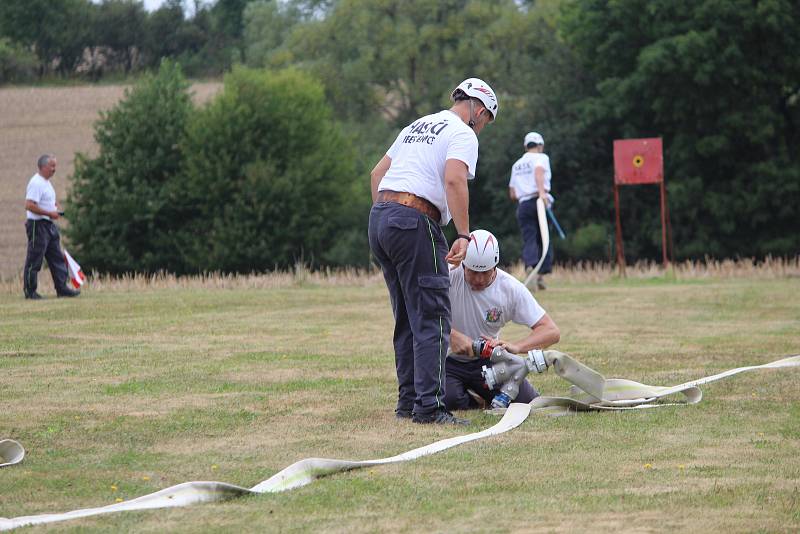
{"x": 41, "y": 191}
{"x": 419, "y": 154}
{"x": 484, "y": 313}
{"x": 523, "y": 175}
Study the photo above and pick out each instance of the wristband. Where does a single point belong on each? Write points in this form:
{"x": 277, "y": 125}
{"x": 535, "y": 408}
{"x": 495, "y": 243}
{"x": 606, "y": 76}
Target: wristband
{"x": 462, "y": 236}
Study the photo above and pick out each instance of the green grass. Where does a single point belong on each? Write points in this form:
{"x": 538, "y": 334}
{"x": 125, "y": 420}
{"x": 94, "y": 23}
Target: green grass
{"x": 123, "y": 392}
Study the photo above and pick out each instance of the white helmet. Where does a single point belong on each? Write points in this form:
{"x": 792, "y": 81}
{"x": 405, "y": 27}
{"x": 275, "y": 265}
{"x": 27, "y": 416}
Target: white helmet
{"x": 477, "y": 88}
{"x": 483, "y": 251}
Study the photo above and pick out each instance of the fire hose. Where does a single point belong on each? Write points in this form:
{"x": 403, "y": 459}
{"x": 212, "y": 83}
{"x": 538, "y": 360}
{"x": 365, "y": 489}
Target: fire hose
{"x": 544, "y": 231}
{"x": 589, "y": 391}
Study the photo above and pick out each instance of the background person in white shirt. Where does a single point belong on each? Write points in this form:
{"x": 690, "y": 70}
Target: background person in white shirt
{"x": 417, "y": 187}
{"x": 530, "y": 179}
{"x": 485, "y": 298}
{"x": 44, "y": 240}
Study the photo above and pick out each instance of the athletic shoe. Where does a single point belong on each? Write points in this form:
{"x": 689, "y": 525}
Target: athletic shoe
{"x": 33, "y": 296}
{"x": 67, "y": 292}
{"x": 439, "y": 417}
{"x": 402, "y": 414}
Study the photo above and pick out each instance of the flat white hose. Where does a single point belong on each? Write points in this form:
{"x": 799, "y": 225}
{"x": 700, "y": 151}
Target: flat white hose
{"x": 11, "y": 452}
{"x": 614, "y": 394}
{"x": 296, "y": 475}
{"x": 544, "y": 231}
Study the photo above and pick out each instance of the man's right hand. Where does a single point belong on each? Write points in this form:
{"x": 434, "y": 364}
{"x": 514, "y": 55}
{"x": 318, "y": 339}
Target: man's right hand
{"x": 53, "y": 215}
{"x": 545, "y": 200}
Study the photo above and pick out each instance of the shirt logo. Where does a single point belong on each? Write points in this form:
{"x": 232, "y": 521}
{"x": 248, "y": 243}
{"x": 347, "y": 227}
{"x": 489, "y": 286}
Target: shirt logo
{"x": 493, "y": 315}
{"x": 425, "y": 132}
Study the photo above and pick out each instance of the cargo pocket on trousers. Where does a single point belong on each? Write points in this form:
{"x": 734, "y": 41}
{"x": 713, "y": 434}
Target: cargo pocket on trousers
{"x": 434, "y": 300}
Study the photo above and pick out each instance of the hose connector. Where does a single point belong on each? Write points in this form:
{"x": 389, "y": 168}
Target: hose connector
{"x": 535, "y": 361}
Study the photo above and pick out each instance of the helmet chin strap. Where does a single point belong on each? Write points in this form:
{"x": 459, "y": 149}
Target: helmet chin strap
{"x": 471, "y": 122}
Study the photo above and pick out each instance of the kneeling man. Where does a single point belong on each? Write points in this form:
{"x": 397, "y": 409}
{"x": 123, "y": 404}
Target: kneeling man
{"x": 483, "y": 299}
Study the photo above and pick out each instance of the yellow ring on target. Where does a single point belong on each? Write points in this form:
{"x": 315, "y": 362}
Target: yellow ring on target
{"x": 638, "y": 161}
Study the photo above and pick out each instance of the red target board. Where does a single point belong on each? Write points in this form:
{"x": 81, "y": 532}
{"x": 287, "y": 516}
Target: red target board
{"x": 638, "y": 161}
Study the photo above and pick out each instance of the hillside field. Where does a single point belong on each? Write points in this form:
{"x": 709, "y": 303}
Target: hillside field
{"x": 141, "y": 384}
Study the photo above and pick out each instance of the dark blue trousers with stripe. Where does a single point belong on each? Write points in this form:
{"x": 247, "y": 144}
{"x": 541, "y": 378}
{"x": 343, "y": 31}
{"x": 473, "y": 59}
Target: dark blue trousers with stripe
{"x": 44, "y": 242}
{"x": 410, "y": 249}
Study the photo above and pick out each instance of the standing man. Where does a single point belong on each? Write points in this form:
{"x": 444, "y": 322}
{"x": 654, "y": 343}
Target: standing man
{"x": 417, "y": 187}
{"x": 44, "y": 241}
{"x": 530, "y": 179}
{"x": 484, "y": 299}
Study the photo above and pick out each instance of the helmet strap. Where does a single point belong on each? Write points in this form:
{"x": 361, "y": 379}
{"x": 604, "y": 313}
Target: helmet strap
{"x": 471, "y": 122}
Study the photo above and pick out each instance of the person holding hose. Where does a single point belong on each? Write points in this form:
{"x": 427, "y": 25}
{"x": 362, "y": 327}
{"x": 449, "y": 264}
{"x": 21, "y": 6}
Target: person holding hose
{"x": 530, "y": 179}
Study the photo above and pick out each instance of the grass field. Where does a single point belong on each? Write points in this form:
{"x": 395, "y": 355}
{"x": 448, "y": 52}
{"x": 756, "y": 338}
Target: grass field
{"x": 58, "y": 120}
{"x": 138, "y": 385}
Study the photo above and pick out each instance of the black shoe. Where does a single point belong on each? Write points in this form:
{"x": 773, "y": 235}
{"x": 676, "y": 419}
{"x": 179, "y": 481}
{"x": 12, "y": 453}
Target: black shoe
{"x": 439, "y": 417}
{"x": 402, "y": 414}
{"x": 67, "y": 292}
{"x": 33, "y": 296}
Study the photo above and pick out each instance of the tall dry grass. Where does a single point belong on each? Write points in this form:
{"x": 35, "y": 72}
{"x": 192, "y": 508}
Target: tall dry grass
{"x": 301, "y": 275}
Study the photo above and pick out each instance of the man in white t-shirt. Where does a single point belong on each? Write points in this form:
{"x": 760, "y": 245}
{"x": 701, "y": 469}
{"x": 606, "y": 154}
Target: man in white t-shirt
{"x": 530, "y": 179}
{"x": 44, "y": 241}
{"x": 417, "y": 187}
{"x": 485, "y": 298}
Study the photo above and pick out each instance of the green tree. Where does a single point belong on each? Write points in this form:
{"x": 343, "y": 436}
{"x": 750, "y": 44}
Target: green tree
{"x": 267, "y": 25}
{"x": 119, "y": 217}
{"x": 719, "y": 81}
{"x": 164, "y": 36}
{"x": 120, "y": 25}
{"x": 57, "y": 30}
{"x": 267, "y": 176}
{"x": 17, "y": 64}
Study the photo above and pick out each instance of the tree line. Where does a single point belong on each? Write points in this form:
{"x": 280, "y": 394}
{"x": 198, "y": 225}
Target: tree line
{"x": 50, "y": 39}
{"x": 719, "y": 81}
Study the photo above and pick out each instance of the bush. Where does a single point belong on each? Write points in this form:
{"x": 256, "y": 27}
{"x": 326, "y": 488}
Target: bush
{"x": 119, "y": 217}
{"x": 589, "y": 243}
{"x": 17, "y": 64}
{"x": 268, "y": 177}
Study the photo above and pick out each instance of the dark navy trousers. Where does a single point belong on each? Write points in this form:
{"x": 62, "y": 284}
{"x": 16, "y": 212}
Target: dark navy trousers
{"x": 468, "y": 375}
{"x": 531, "y": 239}
{"x": 44, "y": 242}
{"x": 410, "y": 249}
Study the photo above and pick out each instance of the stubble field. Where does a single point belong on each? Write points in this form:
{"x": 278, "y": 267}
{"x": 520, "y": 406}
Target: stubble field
{"x": 57, "y": 120}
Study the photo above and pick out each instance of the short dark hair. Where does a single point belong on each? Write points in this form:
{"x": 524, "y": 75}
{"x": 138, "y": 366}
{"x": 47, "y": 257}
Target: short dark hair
{"x": 459, "y": 96}
{"x": 532, "y": 145}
